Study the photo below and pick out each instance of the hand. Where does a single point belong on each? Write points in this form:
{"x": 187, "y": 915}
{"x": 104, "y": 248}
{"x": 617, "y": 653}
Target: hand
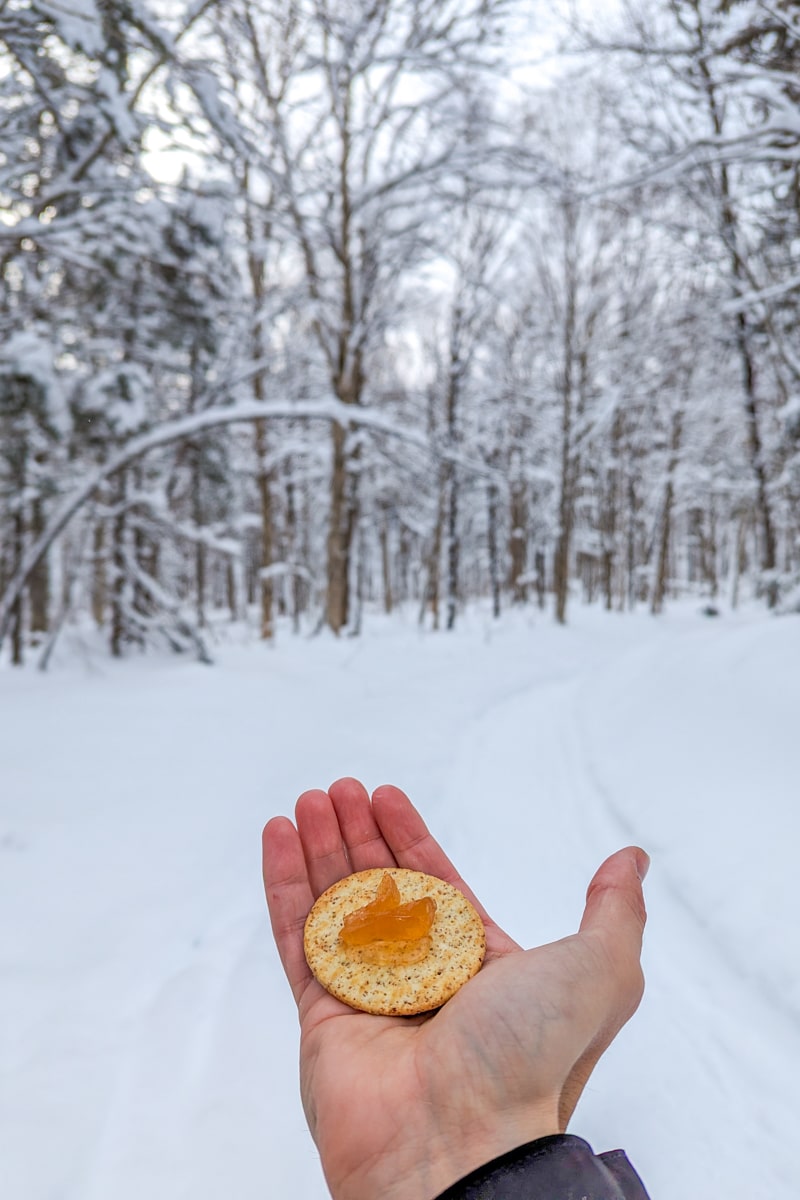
{"x": 402, "y": 1107}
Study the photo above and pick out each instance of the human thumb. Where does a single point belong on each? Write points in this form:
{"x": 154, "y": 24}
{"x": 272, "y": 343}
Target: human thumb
{"x": 615, "y": 912}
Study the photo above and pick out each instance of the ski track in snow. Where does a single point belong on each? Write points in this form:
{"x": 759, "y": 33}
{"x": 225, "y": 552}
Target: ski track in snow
{"x": 733, "y": 1040}
{"x": 165, "y": 1063}
{"x": 156, "y": 1041}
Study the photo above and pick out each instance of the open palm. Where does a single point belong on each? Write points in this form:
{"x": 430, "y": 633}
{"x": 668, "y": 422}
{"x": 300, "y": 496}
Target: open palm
{"x": 403, "y": 1106}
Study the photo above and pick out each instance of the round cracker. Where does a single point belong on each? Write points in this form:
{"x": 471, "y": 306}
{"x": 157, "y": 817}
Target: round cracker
{"x": 451, "y": 955}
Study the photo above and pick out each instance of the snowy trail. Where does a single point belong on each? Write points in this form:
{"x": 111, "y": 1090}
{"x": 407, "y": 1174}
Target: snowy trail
{"x": 707, "y": 1028}
{"x": 147, "y": 1035}
{"x": 166, "y": 1064}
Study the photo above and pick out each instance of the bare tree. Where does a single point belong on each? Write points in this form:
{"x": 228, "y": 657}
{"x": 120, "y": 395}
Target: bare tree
{"x": 360, "y": 113}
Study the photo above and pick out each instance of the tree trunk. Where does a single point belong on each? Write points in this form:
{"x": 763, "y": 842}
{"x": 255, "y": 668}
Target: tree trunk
{"x": 293, "y": 550}
{"x": 99, "y": 579}
{"x": 452, "y": 405}
{"x": 712, "y": 552}
{"x": 264, "y": 484}
{"x": 609, "y": 517}
{"x": 17, "y": 615}
{"x": 453, "y": 548}
{"x": 566, "y": 500}
{"x": 39, "y": 586}
{"x": 518, "y": 543}
{"x": 756, "y": 455}
{"x": 119, "y": 533}
{"x": 739, "y": 559}
{"x": 145, "y": 555}
{"x": 256, "y": 267}
{"x": 339, "y": 537}
{"x": 660, "y": 581}
{"x": 630, "y": 541}
{"x": 729, "y": 228}
{"x": 404, "y": 566}
{"x": 360, "y": 567}
{"x": 386, "y": 566}
{"x": 540, "y": 562}
{"x": 348, "y": 385}
{"x": 200, "y": 551}
{"x": 494, "y": 563}
{"x": 432, "y": 589}
{"x": 231, "y": 590}
{"x": 566, "y": 514}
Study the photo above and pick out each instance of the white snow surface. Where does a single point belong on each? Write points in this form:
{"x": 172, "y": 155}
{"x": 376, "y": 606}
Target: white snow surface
{"x": 148, "y": 1040}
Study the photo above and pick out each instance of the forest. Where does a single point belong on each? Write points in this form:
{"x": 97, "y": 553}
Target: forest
{"x": 313, "y": 308}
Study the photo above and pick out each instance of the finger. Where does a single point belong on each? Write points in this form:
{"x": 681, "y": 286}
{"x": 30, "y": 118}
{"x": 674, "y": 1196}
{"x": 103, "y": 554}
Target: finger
{"x": 289, "y": 898}
{"x": 363, "y": 840}
{"x": 615, "y": 915}
{"x": 413, "y": 846}
{"x": 411, "y": 841}
{"x": 614, "y": 920}
{"x": 321, "y": 840}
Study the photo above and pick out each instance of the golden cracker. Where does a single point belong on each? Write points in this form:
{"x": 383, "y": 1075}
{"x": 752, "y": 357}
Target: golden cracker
{"x": 418, "y": 977}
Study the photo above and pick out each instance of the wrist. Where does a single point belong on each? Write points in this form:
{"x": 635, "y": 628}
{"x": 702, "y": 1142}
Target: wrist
{"x": 426, "y": 1163}
{"x": 468, "y": 1148}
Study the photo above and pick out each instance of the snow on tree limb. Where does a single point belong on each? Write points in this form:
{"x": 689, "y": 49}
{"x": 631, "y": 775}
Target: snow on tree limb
{"x": 331, "y": 411}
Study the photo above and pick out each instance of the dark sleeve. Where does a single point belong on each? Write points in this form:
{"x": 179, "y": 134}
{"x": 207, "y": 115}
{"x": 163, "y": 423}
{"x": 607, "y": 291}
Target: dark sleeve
{"x": 561, "y": 1167}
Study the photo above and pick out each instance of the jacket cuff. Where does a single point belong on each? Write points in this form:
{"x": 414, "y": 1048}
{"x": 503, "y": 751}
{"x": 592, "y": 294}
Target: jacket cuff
{"x": 559, "y": 1167}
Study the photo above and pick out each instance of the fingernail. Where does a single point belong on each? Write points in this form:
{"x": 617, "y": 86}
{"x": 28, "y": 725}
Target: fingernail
{"x": 642, "y": 864}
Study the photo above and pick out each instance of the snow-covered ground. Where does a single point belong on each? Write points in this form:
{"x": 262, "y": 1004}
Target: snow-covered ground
{"x": 147, "y": 1036}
